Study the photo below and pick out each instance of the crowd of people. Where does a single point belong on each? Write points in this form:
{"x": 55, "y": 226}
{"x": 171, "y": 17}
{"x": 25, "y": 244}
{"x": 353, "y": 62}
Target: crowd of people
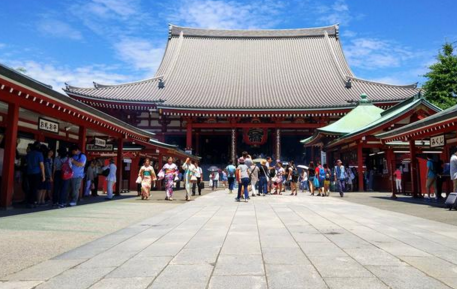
{"x": 261, "y": 177}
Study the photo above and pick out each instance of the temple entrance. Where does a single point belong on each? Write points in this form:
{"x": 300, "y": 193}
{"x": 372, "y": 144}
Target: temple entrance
{"x": 214, "y": 149}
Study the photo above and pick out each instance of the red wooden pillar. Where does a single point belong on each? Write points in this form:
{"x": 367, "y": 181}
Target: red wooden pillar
{"x": 82, "y": 138}
{"x": 189, "y": 134}
{"x": 12, "y": 119}
{"x": 391, "y": 169}
{"x": 414, "y": 180}
{"x": 120, "y": 165}
{"x": 360, "y": 165}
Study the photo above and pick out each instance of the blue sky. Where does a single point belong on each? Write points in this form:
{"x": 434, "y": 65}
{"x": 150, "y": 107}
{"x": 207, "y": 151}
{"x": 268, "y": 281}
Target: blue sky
{"x": 113, "y": 41}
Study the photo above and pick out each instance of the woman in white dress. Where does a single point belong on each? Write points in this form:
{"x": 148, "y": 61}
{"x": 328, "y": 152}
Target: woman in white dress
{"x": 189, "y": 171}
{"x": 170, "y": 171}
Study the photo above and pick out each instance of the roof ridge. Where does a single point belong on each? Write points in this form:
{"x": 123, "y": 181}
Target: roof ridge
{"x": 99, "y": 85}
{"x": 174, "y": 30}
{"x": 174, "y": 58}
{"x": 335, "y": 61}
{"x": 413, "y": 85}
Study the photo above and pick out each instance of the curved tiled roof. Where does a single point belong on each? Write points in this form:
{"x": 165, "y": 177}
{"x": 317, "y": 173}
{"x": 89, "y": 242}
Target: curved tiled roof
{"x": 250, "y": 69}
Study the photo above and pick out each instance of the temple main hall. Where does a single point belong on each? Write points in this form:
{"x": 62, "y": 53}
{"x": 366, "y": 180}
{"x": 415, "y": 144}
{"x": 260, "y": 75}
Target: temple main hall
{"x": 218, "y": 92}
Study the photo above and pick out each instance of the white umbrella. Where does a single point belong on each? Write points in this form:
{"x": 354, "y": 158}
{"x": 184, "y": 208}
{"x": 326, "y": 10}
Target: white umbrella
{"x": 302, "y": 167}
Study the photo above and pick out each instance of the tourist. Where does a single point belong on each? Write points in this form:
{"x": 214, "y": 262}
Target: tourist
{"x": 263, "y": 178}
{"x": 340, "y": 177}
{"x": 189, "y": 176}
{"x": 224, "y": 179}
{"x": 271, "y": 173}
{"x": 215, "y": 179}
{"x": 230, "y": 170}
{"x": 320, "y": 175}
{"x": 45, "y": 188}
{"x": 293, "y": 178}
{"x": 453, "y": 169}
{"x": 147, "y": 176}
{"x": 254, "y": 178}
{"x": 328, "y": 173}
{"x": 199, "y": 175}
{"x": 78, "y": 161}
{"x": 170, "y": 171}
{"x": 59, "y": 197}
{"x": 280, "y": 172}
{"x": 90, "y": 176}
{"x": 35, "y": 172}
{"x": 304, "y": 181}
{"x": 397, "y": 176}
{"x": 311, "y": 175}
{"x": 97, "y": 172}
{"x": 242, "y": 173}
{"x": 431, "y": 177}
{"x": 350, "y": 179}
{"x": 111, "y": 179}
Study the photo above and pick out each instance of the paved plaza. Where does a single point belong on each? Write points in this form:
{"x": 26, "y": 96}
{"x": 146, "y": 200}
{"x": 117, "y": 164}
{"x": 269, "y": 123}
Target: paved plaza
{"x": 270, "y": 242}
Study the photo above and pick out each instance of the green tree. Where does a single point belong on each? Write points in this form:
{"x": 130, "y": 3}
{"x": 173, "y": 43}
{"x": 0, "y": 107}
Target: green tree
{"x": 441, "y": 85}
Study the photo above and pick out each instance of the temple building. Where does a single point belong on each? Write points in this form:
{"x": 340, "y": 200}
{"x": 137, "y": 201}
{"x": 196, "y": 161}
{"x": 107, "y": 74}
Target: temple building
{"x": 218, "y": 92}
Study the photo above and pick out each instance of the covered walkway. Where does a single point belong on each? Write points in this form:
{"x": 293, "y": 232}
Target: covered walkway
{"x": 271, "y": 242}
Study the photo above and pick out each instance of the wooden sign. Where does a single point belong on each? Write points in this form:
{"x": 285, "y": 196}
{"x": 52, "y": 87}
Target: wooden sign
{"x": 437, "y": 141}
{"x": 95, "y": 148}
{"x": 100, "y": 142}
{"x": 48, "y": 125}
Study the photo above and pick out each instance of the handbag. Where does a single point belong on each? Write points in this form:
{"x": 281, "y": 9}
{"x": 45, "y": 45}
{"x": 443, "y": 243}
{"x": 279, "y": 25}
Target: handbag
{"x": 193, "y": 179}
{"x": 139, "y": 180}
{"x": 176, "y": 179}
{"x": 275, "y": 179}
{"x": 316, "y": 182}
{"x": 161, "y": 175}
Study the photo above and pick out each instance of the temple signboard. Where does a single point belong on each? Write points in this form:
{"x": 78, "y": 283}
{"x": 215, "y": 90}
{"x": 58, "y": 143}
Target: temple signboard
{"x": 255, "y": 136}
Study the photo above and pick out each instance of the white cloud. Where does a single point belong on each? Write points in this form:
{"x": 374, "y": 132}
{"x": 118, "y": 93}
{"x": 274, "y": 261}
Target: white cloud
{"x": 228, "y": 14}
{"x": 337, "y": 12}
{"x": 370, "y": 53}
{"x": 2, "y": 45}
{"x": 140, "y": 53}
{"x": 56, "y": 76}
{"x": 57, "y": 28}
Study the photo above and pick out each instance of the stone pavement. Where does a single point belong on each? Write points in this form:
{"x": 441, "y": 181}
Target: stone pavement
{"x": 270, "y": 242}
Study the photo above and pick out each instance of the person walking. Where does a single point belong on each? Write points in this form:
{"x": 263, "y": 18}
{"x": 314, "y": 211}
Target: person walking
{"x": 254, "y": 178}
{"x": 328, "y": 173}
{"x": 280, "y": 172}
{"x": 431, "y": 177}
{"x": 320, "y": 175}
{"x": 35, "y": 173}
{"x": 271, "y": 173}
{"x": 311, "y": 175}
{"x": 304, "y": 181}
{"x": 147, "y": 176}
{"x": 397, "y": 176}
{"x": 453, "y": 169}
{"x": 77, "y": 161}
{"x": 242, "y": 173}
{"x": 189, "y": 176}
{"x": 111, "y": 179}
{"x": 62, "y": 156}
{"x": 230, "y": 170}
{"x": 293, "y": 178}
{"x": 47, "y": 184}
{"x": 340, "y": 177}
{"x": 263, "y": 178}
{"x": 97, "y": 172}
{"x": 199, "y": 175}
{"x": 170, "y": 171}
{"x": 224, "y": 179}
{"x": 215, "y": 180}
{"x": 90, "y": 176}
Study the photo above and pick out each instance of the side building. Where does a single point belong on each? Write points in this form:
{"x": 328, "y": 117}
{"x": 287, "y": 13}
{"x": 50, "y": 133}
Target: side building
{"x": 218, "y": 92}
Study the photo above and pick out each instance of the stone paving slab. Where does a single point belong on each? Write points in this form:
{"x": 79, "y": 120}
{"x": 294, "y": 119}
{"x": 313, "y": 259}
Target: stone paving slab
{"x": 270, "y": 242}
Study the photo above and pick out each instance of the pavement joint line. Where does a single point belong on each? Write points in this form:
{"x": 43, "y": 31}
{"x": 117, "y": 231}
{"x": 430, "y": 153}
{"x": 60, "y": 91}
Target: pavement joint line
{"x": 261, "y": 250}
{"x": 396, "y": 238}
{"x": 222, "y": 246}
{"x": 301, "y": 249}
{"x": 376, "y": 247}
{"x": 166, "y": 266}
{"x": 113, "y": 247}
{"x": 336, "y": 244}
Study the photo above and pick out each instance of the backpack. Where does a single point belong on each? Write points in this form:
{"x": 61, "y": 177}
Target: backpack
{"x": 67, "y": 171}
{"x": 105, "y": 172}
{"x": 321, "y": 173}
{"x": 231, "y": 171}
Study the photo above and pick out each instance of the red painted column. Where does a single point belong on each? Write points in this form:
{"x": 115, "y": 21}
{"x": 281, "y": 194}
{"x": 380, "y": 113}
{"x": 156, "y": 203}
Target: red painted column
{"x": 360, "y": 165}
{"x": 12, "y": 119}
{"x": 82, "y": 138}
{"x": 189, "y": 134}
{"x": 414, "y": 181}
{"x": 391, "y": 169}
{"x": 120, "y": 165}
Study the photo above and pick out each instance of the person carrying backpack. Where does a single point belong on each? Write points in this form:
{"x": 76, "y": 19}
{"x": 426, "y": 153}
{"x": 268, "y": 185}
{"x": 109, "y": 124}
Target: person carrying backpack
{"x": 230, "y": 170}
{"x": 293, "y": 178}
{"x": 321, "y": 177}
{"x": 78, "y": 162}
{"x": 340, "y": 177}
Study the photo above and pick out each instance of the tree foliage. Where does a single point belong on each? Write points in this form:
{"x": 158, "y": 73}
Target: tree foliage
{"x": 441, "y": 85}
